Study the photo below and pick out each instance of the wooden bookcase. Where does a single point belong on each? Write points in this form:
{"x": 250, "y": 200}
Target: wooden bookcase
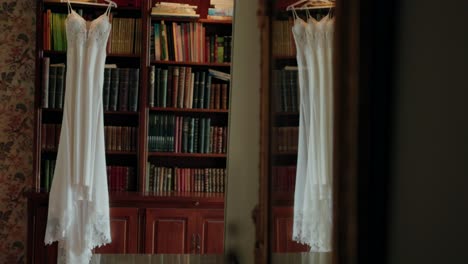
{"x": 142, "y": 221}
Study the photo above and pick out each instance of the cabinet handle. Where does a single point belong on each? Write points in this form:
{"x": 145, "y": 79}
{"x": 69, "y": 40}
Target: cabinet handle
{"x": 193, "y": 244}
{"x": 198, "y": 244}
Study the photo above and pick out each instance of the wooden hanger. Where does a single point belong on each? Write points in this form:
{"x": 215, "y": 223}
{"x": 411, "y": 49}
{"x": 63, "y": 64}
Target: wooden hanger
{"x": 311, "y": 4}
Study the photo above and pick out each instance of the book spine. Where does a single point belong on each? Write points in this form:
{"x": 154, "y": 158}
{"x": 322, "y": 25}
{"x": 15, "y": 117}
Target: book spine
{"x": 163, "y": 87}
{"x": 208, "y": 92}
{"x": 224, "y": 96}
{"x": 195, "y": 90}
{"x": 134, "y": 88}
{"x": 208, "y": 135}
{"x": 181, "y": 98}
{"x": 45, "y": 82}
{"x": 201, "y": 90}
{"x": 123, "y": 88}
{"x": 169, "y": 86}
{"x": 188, "y": 79}
{"x": 106, "y": 88}
{"x": 175, "y": 86}
{"x": 151, "y": 86}
{"x": 52, "y": 85}
{"x": 114, "y": 89}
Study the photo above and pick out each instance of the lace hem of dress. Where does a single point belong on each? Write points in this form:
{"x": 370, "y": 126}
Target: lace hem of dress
{"x": 314, "y": 233}
{"x": 97, "y": 234}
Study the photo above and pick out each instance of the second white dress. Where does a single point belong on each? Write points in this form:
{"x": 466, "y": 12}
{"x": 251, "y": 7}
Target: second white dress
{"x": 313, "y": 193}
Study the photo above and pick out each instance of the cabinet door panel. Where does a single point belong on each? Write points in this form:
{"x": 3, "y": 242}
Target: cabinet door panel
{"x": 282, "y": 231}
{"x": 212, "y": 232}
{"x": 42, "y": 254}
{"x": 124, "y": 232}
{"x": 168, "y": 231}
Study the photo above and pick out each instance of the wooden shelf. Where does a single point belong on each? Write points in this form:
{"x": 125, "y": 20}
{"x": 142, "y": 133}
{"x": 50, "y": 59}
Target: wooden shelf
{"x": 189, "y": 199}
{"x": 50, "y": 53}
{"x": 60, "y": 111}
{"x": 285, "y": 153}
{"x": 284, "y": 57}
{"x": 108, "y": 152}
{"x": 186, "y": 155}
{"x": 281, "y": 114}
{"x": 118, "y": 152}
{"x": 188, "y": 110}
{"x": 189, "y": 63}
{"x": 215, "y": 21}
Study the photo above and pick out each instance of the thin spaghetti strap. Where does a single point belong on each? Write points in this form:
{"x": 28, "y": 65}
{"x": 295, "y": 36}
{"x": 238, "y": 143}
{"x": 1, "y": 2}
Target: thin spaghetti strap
{"x": 294, "y": 13}
{"x": 108, "y": 8}
{"x": 308, "y": 14}
{"x": 70, "y": 9}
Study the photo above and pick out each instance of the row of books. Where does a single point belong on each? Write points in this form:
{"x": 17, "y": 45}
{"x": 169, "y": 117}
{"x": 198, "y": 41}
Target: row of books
{"x": 286, "y": 90}
{"x": 121, "y": 178}
{"x": 47, "y": 173}
{"x": 284, "y": 178}
{"x": 165, "y": 179}
{"x": 285, "y": 139}
{"x": 53, "y": 84}
{"x": 120, "y": 138}
{"x": 188, "y": 42}
{"x": 179, "y": 87}
{"x": 120, "y": 90}
{"x": 282, "y": 38}
{"x": 125, "y": 37}
{"x": 54, "y": 34}
{"x": 170, "y": 133}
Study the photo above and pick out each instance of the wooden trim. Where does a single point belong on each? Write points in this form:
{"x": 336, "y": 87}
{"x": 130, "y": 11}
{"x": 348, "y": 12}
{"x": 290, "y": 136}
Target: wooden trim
{"x": 262, "y": 211}
{"x": 345, "y": 151}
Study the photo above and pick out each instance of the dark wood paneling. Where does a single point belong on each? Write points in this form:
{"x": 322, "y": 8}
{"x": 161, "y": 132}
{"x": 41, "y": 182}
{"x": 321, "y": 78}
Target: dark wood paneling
{"x": 42, "y": 254}
{"x": 211, "y": 236}
{"x": 168, "y": 231}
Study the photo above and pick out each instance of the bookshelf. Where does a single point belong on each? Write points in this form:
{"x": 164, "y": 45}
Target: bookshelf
{"x": 128, "y": 130}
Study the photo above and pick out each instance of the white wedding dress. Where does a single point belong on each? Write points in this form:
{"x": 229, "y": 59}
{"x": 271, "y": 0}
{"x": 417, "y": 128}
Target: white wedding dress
{"x": 313, "y": 193}
{"x": 78, "y": 216}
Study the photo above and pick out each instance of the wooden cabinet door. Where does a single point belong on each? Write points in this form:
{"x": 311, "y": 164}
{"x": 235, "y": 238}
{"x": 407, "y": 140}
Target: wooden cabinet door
{"x": 124, "y": 232}
{"x": 42, "y": 254}
{"x": 169, "y": 231}
{"x": 282, "y": 231}
{"x": 210, "y": 238}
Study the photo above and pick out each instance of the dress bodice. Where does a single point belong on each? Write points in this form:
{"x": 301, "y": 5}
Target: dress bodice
{"x": 81, "y": 31}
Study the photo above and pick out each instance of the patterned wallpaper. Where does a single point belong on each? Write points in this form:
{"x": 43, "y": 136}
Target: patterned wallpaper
{"x": 17, "y": 45}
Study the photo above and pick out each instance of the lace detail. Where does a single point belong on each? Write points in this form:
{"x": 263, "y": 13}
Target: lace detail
{"x": 97, "y": 234}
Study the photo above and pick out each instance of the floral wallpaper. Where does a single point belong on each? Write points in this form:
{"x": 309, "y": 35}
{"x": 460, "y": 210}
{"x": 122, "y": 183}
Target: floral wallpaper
{"x": 17, "y": 46}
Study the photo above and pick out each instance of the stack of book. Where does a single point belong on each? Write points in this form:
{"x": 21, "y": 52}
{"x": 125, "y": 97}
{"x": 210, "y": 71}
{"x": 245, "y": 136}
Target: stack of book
{"x": 125, "y": 37}
{"x": 282, "y": 38}
{"x": 120, "y": 138}
{"x": 188, "y": 42}
{"x": 120, "y": 178}
{"x": 54, "y": 35}
{"x": 48, "y": 168}
{"x": 284, "y": 178}
{"x": 285, "y": 139}
{"x": 179, "y": 87}
{"x": 174, "y": 10}
{"x": 286, "y": 89}
{"x": 166, "y": 179}
{"x": 221, "y": 9}
{"x": 170, "y": 133}
{"x": 120, "y": 91}
{"x": 53, "y": 84}
{"x": 50, "y": 134}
